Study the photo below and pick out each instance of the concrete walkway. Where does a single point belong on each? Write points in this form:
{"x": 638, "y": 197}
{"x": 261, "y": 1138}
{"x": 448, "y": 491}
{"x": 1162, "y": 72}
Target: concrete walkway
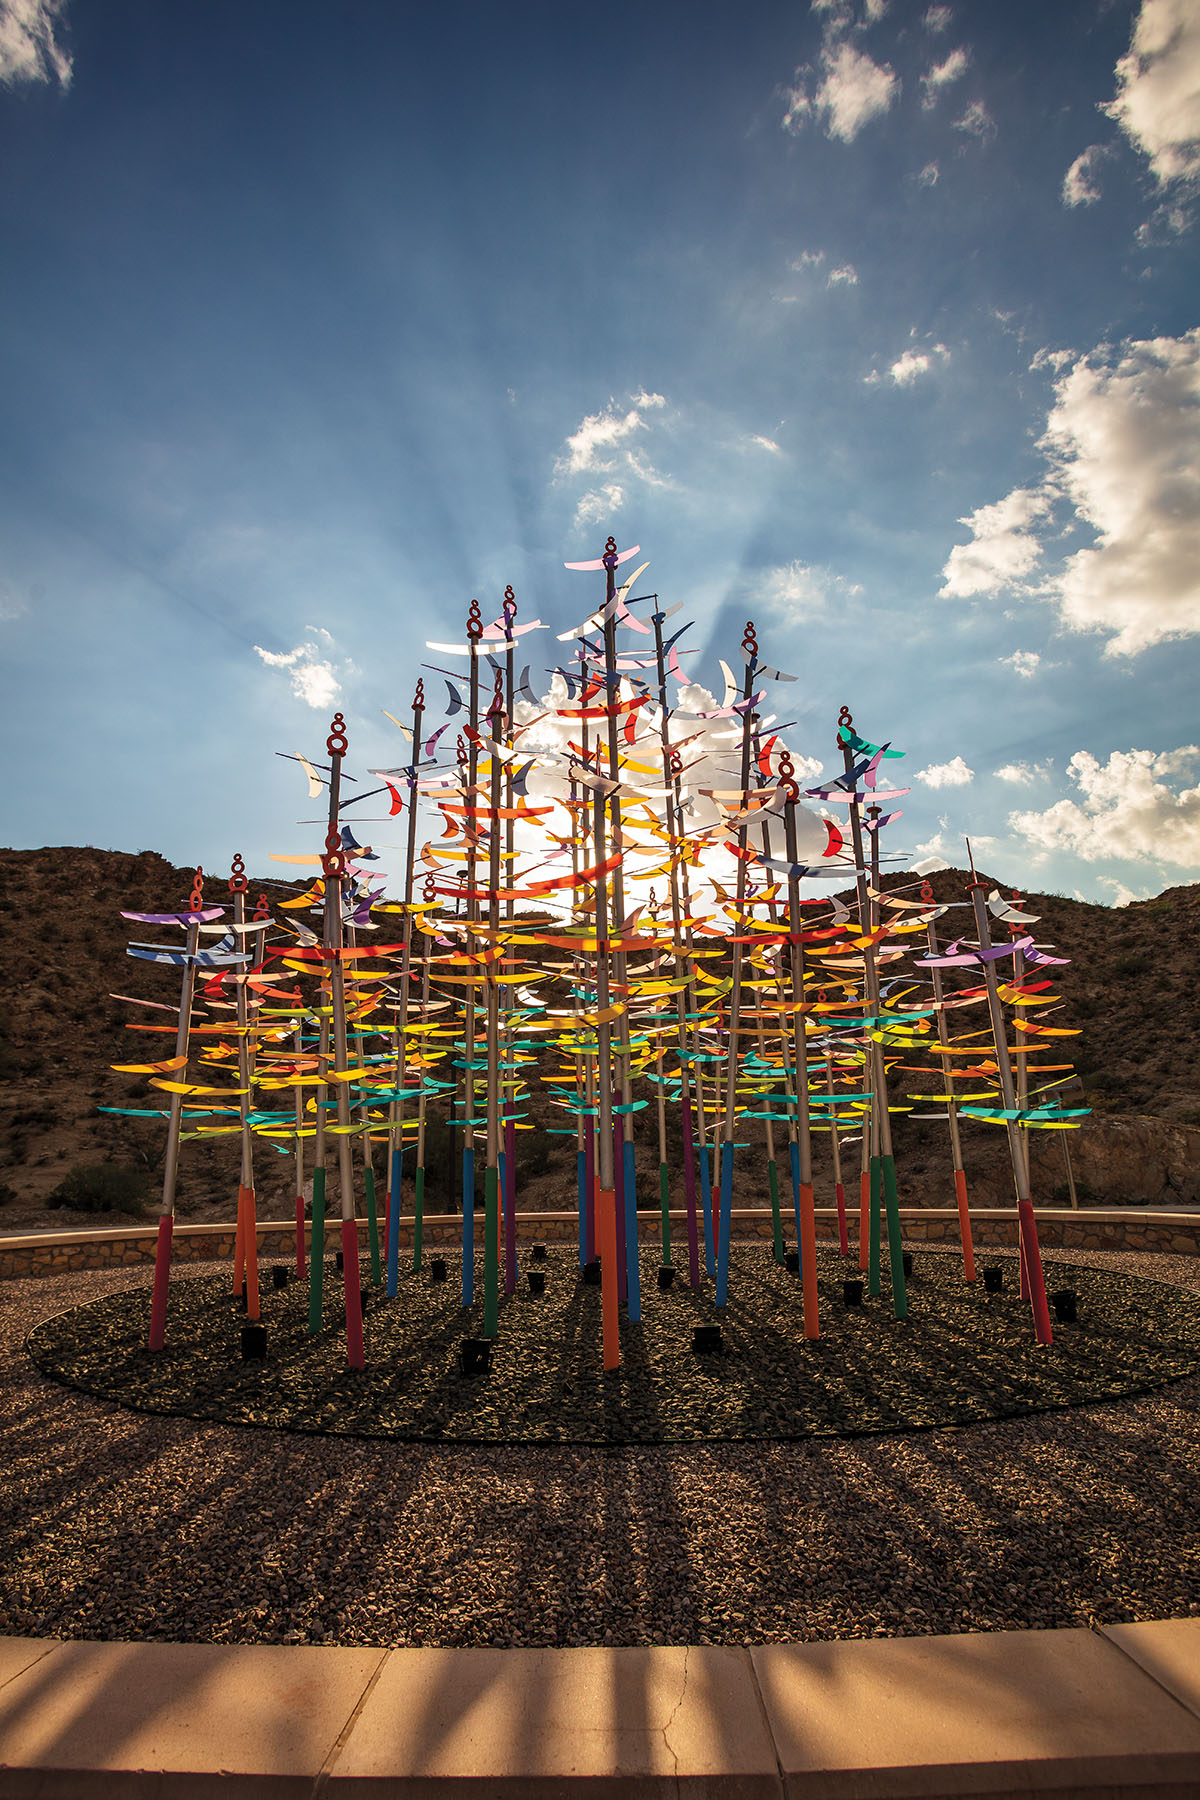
{"x": 1071, "y": 1713}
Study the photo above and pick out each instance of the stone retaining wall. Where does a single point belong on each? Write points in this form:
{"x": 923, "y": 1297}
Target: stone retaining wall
{"x": 53, "y": 1252}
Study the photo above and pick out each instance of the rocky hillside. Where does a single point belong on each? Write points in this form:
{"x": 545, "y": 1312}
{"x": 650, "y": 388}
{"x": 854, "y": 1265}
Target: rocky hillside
{"x": 1132, "y": 986}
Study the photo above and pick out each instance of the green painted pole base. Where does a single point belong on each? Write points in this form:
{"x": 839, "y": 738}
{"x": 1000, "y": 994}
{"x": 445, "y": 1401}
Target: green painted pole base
{"x": 419, "y": 1219}
{"x": 895, "y": 1245}
{"x": 664, "y": 1194}
{"x": 491, "y": 1257}
{"x": 776, "y": 1221}
{"x": 316, "y": 1260}
{"x": 873, "y": 1276}
{"x": 372, "y": 1226}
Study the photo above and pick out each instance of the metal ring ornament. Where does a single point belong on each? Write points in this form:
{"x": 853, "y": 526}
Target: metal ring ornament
{"x": 750, "y": 638}
{"x": 430, "y": 890}
{"x": 461, "y": 748}
{"x": 263, "y": 909}
{"x": 335, "y": 743}
{"x": 197, "y": 894}
{"x": 926, "y": 890}
{"x": 419, "y": 696}
{"x": 845, "y": 718}
{"x": 510, "y": 604}
{"x": 237, "y": 877}
{"x": 496, "y": 709}
{"x": 676, "y": 763}
{"x": 474, "y": 622}
{"x": 787, "y": 771}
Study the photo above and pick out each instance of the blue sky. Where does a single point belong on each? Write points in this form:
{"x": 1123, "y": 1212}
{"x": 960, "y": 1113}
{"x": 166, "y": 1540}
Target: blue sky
{"x": 875, "y": 323}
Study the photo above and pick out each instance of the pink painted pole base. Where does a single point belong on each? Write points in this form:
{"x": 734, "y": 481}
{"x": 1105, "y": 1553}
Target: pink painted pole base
{"x": 354, "y": 1325}
{"x": 843, "y": 1233}
{"x": 301, "y": 1260}
{"x": 162, "y": 1275}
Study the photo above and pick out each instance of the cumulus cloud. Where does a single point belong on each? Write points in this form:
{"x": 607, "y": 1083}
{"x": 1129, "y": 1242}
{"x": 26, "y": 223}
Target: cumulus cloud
{"x": 29, "y": 50}
{"x": 606, "y": 443}
{"x": 977, "y": 121}
{"x": 1024, "y": 662}
{"x": 1132, "y": 808}
{"x": 948, "y": 774}
{"x": 846, "y": 275}
{"x": 1157, "y": 103}
{"x": 843, "y": 94}
{"x": 311, "y": 671}
{"x": 791, "y": 591}
{"x": 910, "y": 366}
{"x": 1122, "y": 448}
{"x": 1081, "y": 183}
{"x": 942, "y": 74}
{"x": 1020, "y": 774}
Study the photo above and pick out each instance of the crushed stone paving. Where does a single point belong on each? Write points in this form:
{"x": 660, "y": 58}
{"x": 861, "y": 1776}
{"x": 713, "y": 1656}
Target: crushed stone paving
{"x": 118, "y": 1525}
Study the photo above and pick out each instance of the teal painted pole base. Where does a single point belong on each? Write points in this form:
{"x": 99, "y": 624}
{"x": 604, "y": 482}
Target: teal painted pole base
{"x": 491, "y": 1254}
{"x": 633, "y": 1279}
{"x": 723, "y": 1227}
{"x": 664, "y": 1197}
{"x": 776, "y": 1221}
{"x": 419, "y": 1219}
{"x": 794, "y": 1160}
{"x": 393, "y": 1241}
{"x": 895, "y": 1244}
{"x": 316, "y": 1261}
{"x": 372, "y": 1226}
{"x": 873, "y": 1278}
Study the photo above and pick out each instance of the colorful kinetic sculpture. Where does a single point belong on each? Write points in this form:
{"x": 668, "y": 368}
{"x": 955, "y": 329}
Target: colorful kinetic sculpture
{"x": 538, "y": 949}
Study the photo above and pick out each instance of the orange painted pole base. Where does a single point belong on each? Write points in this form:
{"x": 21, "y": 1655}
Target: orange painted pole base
{"x": 864, "y": 1219}
{"x": 808, "y": 1260}
{"x": 606, "y": 1249}
{"x": 246, "y": 1253}
{"x": 964, "y": 1225}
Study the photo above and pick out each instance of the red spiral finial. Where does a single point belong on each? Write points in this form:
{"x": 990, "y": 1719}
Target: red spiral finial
{"x": 845, "y": 718}
{"x": 787, "y": 771}
{"x": 334, "y": 860}
{"x": 510, "y": 604}
{"x": 419, "y": 696}
{"x": 750, "y": 638}
{"x": 429, "y": 894}
{"x": 497, "y": 706}
{"x": 237, "y": 878}
{"x": 676, "y": 763}
{"x": 461, "y": 747}
{"x": 263, "y": 909}
{"x": 335, "y": 743}
{"x": 197, "y": 895}
{"x": 926, "y": 889}
{"x": 474, "y": 622}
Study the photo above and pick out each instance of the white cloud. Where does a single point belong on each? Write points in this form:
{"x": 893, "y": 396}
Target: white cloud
{"x": 1020, "y": 774}
{"x": 942, "y": 75}
{"x": 766, "y": 443}
{"x": 808, "y": 259}
{"x": 928, "y": 176}
{"x": 1002, "y": 548}
{"x": 1052, "y": 359}
{"x": 1122, "y": 895}
{"x": 28, "y": 48}
{"x": 792, "y": 591}
{"x": 313, "y": 676}
{"x": 937, "y": 18}
{"x": 1157, "y": 104}
{"x": 948, "y": 774}
{"x": 931, "y": 855}
{"x": 1024, "y": 662}
{"x": 13, "y": 603}
{"x": 1081, "y": 183}
{"x": 846, "y": 274}
{"x": 977, "y": 121}
{"x": 1128, "y": 811}
{"x": 852, "y": 90}
{"x": 1122, "y": 445}
{"x": 606, "y": 444}
{"x": 911, "y": 366}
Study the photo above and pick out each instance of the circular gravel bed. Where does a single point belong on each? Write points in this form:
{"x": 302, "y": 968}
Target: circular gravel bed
{"x": 962, "y": 1356}
{"x": 124, "y": 1525}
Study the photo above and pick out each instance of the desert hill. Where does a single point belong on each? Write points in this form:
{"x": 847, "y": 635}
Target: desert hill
{"x": 1132, "y": 985}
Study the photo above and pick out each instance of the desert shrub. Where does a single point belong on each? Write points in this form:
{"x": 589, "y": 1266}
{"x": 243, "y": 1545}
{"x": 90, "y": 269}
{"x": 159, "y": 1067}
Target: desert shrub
{"x": 1132, "y": 963}
{"x": 103, "y": 1187}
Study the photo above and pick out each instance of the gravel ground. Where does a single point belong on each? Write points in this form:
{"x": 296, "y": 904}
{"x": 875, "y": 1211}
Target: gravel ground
{"x": 132, "y": 1526}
